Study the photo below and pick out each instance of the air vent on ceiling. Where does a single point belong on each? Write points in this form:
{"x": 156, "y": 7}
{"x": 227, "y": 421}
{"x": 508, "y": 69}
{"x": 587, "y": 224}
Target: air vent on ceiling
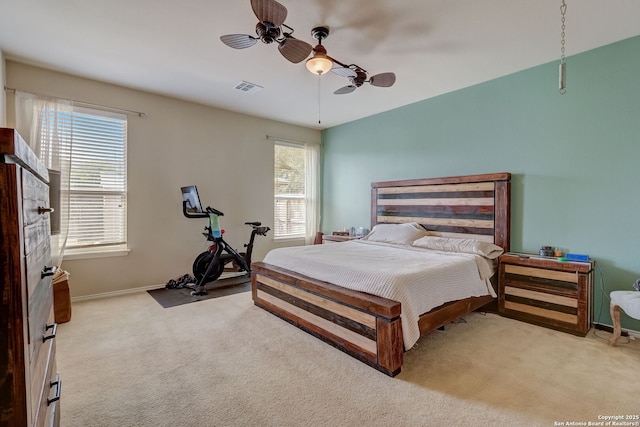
{"x": 247, "y": 87}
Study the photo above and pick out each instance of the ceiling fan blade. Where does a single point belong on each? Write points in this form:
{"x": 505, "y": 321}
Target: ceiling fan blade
{"x": 238, "y": 41}
{"x": 269, "y": 11}
{"x": 383, "y": 80}
{"x": 345, "y": 89}
{"x": 343, "y": 71}
{"x": 293, "y": 49}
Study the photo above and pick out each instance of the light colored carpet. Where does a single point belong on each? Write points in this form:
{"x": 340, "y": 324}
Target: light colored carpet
{"x": 126, "y": 361}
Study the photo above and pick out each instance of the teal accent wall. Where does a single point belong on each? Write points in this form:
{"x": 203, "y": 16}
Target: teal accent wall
{"x": 575, "y": 158}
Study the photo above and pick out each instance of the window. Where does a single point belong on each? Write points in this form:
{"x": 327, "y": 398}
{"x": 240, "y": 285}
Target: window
{"x": 295, "y": 190}
{"x": 95, "y": 198}
{"x": 289, "y": 189}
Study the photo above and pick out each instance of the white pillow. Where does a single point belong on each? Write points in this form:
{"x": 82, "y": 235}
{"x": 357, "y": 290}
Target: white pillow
{"x": 400, "y": 234}
{"x": 470, "y": 246}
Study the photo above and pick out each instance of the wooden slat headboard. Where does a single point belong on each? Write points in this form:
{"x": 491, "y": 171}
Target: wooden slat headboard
{"x": 472, "y": 206}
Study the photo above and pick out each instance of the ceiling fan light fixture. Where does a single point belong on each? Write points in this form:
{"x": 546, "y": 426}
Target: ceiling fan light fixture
{"x": 319, "y": 63}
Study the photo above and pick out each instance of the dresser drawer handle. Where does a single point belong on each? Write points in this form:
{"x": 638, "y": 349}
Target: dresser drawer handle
{"x": 42, "y": 210}
{"x": 46, "y": 337}
{"x": 48, "y": 271}
{"x": 58, "y": 385}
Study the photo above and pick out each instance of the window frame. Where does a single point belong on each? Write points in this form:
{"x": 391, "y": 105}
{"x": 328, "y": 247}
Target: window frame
{"x": 290, "y": 236}
{"x": 91, "y": 144}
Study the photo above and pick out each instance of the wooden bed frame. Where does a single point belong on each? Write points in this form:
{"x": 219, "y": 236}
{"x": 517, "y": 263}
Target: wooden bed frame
{"x": 368, "y": 327}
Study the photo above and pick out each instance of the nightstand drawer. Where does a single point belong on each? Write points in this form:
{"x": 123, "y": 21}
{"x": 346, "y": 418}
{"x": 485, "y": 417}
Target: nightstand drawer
{"x": 328, "y": 238}
{"x": 541, "y": 313}
{"x": 558, "y": 282}
{"x": 543, "y": 297}
{"x": 541, "y": 304}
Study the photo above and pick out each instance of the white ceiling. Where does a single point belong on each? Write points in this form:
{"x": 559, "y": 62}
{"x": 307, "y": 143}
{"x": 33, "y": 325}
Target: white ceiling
{"x": 173, "y": 47}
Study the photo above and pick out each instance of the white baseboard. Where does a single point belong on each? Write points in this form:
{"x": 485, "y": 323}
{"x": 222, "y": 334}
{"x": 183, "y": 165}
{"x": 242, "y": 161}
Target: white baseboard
{"x": 116, "y": 293}
{"x": 224, "y": 275}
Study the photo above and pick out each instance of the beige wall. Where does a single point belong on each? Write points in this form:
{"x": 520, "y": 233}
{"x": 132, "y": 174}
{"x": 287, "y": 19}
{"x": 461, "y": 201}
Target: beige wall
{"x": 178, "y": 143}
{"x": 3, "y": 98}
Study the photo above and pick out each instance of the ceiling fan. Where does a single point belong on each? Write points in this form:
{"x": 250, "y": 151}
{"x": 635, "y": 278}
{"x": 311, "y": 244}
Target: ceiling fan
{"x": 271, "y": 28}
{"x": 320, "y": 63}
{"x": 358, "y": 77}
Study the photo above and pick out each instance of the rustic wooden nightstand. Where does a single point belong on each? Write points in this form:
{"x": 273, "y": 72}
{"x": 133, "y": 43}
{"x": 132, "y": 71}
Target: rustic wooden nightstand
{"x": 546, "y": 292}
{"x": 330, "y": 238}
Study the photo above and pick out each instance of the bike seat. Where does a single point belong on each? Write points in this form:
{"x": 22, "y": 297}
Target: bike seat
{"x": 254, "y": 224}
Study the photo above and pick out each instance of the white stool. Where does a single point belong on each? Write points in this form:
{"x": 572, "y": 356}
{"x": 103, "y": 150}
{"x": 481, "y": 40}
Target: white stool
{"x": 629, "y": 302}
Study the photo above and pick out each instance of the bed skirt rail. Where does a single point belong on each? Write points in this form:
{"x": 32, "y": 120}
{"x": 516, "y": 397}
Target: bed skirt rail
{"x": 364, "y": 326}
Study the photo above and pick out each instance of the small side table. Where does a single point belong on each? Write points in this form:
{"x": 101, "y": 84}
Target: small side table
{"x": 330, "y": 238}
{"x": 546, "y": 292}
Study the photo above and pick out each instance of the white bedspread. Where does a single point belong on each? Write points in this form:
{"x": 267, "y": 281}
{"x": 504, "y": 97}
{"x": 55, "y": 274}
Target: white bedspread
{"x": 420, "y": 279}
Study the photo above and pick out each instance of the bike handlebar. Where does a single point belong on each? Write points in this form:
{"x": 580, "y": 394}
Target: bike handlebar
{"x": 214, "y": 211}
{"x": 188, "y": 214}
{"x": 209, "y": 210}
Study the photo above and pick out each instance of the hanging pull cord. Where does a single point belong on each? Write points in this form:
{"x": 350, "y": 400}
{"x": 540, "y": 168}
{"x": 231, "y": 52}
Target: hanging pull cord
{"x": 319, "y": 99}
{"x": 562, "y": 71}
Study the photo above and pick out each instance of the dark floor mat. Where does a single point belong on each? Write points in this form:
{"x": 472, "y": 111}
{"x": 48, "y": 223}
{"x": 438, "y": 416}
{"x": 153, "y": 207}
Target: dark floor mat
{"x": 221, "y": 287}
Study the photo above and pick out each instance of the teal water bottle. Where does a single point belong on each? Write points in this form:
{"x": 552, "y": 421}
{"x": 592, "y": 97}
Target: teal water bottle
{"x": 214, "y": 223}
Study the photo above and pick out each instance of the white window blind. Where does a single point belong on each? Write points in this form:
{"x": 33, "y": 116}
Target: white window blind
{"x": 290, "y": 203}
{"x": 96, "y": 196}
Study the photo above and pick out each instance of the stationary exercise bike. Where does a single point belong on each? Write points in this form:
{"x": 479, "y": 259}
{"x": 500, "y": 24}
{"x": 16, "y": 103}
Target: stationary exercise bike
{"x": 209, "y": 265}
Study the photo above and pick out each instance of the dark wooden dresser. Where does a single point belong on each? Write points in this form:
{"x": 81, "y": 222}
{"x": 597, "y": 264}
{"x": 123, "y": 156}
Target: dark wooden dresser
{"x": 546, "y": 292}
{"x": 29, "y": 383}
